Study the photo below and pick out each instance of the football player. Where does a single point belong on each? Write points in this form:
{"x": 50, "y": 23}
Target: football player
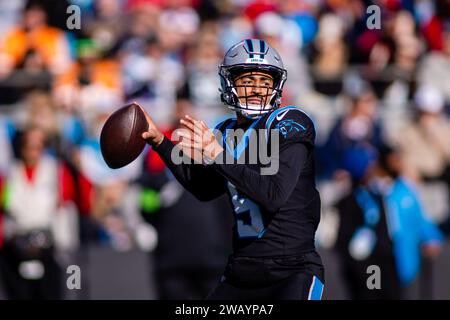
{"x": 276, "y": 215}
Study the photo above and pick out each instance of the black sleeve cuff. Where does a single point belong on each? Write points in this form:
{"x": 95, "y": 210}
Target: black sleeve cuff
{"x": 165, "y": 147}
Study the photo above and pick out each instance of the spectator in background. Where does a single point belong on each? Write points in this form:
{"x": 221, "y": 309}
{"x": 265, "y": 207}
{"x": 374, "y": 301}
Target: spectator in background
{"x": 108, "y": 25}
{"x": 64, "y": 134}
{"x": 63, "y": 130}
{"x": 35, "y": 191}
{"x": 412, "y": 232}
{"x": 363, "y": 236}
{"x": 40, "y": 112}
{"x": 382, "y": 223}
{"x": 434, "y": 69}
{"x": 359, "y": 126}
{"x": 408, "y": 47}
{"x": 202, "y": 82}
{"x": 304, "y": 14}
{"x": 153, "y": 75}
{"x": 34, "y": 44}
{"x": 233, "y": 28}
{"x": 424, "y": 141}
{"x": 94, "y": 81}
{"x": 424, "y": 145}
{"x": 330, "y": 55}
{"x": 178, "y": 25}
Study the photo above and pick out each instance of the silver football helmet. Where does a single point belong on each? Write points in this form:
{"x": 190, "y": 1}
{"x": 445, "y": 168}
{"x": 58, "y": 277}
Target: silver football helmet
{"x": 251, "y": 55}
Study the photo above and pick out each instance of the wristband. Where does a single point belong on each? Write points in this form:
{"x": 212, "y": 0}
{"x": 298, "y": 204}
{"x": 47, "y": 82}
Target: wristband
{"x": 160, "y": 141}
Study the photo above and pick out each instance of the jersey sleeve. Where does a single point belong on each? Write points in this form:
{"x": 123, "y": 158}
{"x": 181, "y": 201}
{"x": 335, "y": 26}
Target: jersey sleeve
{"x": 202, "y": 181}
{"x": 292, "y": 125}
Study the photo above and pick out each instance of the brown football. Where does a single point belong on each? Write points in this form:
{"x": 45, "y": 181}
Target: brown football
{"x": 120, "y": 139}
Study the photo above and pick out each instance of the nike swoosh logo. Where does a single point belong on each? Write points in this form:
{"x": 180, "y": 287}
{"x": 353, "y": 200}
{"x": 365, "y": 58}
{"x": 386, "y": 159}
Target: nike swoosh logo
{"x": 282, "y": 114}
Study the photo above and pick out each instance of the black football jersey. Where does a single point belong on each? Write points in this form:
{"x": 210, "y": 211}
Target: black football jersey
{"x": 267, "y": 170}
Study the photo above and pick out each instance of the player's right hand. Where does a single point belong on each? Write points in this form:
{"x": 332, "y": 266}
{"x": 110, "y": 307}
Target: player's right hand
{"x": 153, "y": 136}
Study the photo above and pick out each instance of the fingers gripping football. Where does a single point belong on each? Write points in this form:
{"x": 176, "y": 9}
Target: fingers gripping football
{"x": 152, "y": 135}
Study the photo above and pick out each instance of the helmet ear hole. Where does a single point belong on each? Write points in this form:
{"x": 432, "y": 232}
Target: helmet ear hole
{"x": 226, "y": 97}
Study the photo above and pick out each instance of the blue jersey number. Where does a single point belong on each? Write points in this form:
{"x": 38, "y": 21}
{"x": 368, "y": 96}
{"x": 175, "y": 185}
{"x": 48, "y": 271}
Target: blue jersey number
{"x": 248, "y": 216}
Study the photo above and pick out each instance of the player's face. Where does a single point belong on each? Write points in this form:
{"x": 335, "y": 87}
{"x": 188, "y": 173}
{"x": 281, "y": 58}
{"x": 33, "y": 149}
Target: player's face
{"x": 254, "y": 88}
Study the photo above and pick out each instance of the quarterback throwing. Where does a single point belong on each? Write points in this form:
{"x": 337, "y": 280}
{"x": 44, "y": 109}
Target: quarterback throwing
{"x": 276, "y": 215}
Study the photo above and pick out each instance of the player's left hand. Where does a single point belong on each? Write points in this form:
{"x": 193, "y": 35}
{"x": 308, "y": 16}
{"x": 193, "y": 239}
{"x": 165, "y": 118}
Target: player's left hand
{"x": 200, "y": 137}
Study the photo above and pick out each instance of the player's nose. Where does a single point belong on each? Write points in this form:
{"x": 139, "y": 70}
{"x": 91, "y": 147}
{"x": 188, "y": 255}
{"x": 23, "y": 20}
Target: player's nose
{"x": 257, "y": 89}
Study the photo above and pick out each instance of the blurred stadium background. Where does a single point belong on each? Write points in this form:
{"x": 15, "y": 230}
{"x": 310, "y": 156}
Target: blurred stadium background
{"x": 134, "y": 232}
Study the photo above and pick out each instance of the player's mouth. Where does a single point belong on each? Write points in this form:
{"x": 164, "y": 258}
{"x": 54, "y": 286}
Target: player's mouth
{"x": 254, "y": 100}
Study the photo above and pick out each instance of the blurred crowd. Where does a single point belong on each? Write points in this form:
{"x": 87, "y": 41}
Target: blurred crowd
{"x": 379, "y": 98}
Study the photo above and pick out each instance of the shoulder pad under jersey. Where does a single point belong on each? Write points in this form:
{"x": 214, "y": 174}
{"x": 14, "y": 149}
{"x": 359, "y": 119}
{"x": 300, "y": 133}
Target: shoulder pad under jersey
{"x": 293, "y": 124}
